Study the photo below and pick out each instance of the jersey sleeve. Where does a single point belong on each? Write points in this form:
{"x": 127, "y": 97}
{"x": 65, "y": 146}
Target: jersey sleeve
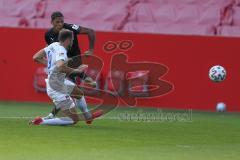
{"x": 73, "y": 27}
{"x": 46, "y": 49}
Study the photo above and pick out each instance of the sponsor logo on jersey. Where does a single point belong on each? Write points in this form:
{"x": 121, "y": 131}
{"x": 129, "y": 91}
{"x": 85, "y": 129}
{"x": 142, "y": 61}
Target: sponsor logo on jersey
{"x": 74, "y": 26}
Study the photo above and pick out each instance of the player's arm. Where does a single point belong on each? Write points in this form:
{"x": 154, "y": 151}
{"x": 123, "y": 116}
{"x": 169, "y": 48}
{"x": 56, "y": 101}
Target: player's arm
{"x": 62, "y": 67}
{"x": 83, "y": 30}
{"x": 91, "y": 37}
{"x": 39, "y": 57}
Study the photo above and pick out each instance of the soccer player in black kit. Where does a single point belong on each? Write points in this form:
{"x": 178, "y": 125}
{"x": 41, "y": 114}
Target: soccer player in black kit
{"x": 57, "y": 20}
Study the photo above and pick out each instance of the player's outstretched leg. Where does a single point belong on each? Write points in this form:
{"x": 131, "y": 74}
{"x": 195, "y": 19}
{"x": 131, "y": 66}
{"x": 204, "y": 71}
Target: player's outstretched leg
{"x": 69, "y": 110}
{"x": 54, "y": 121}
{"x": 71, "y": 114}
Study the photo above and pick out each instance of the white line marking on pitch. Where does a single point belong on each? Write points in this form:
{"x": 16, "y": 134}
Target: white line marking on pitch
{"x": 184, "y": 146}
{"x": 16, "y": 117}
{"x": 111, "y": 118}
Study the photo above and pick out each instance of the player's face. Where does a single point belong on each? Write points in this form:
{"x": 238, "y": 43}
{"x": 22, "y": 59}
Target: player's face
{"x": 58, "y": 23}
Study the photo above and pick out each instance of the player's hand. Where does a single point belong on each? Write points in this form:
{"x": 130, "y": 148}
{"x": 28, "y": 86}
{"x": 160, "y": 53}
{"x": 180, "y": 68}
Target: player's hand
{"x": 89, "y": 81}
{"x": 88, "y": 53}
{"x": 69, "y": 60}
{"x": 82, "y": 68}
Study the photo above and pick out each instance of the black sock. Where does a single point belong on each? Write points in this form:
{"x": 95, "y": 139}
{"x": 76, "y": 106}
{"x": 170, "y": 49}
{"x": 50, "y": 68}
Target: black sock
{"x": 55, "y": 111}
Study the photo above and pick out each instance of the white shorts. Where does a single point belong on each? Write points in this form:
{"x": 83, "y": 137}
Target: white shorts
{"x": 61, "y": 98}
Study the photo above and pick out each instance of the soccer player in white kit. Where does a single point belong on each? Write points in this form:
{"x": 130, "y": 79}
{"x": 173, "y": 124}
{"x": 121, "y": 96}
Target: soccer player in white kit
{"x": 59, "y": 89}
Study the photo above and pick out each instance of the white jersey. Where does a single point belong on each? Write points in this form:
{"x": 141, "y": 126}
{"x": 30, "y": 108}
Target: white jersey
{"x": 58, "y": 88}
{"x": 55, "y": 52}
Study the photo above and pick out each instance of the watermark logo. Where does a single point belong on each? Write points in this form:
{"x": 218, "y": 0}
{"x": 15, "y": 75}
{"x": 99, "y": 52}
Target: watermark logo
{"x": 158, "y": 116}
{"x": 111, "y": 46}
{"x": 128, "y": 81}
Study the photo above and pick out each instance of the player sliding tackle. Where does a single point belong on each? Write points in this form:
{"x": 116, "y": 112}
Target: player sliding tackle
{"x": 59, "y": 89}
{"x": 51, "y": 36}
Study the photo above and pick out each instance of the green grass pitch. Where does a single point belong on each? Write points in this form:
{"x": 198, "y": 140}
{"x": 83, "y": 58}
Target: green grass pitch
{"x": 210, "y": 136}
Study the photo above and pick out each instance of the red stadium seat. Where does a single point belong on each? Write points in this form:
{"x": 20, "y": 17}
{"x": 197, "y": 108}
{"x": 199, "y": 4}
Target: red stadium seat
{"x": 43, "y": 23}
{"x": 236, "y": 16}
{"x": 187, "y": 14}
{"x": 93, "y": 10}
{"x": 23, "y": 9}
{"x": 16, "y": 22}
{"x": 165, "y": 13}
{"x": 237, "y": 3}
{"x": 216, "y": 12}
{"x": 142, "y": 12}
{"x": 176, "y": 2}
{"x": 110, "y": 15}
{"x": 210, "y": 15}
{"x": 227, "y": 16}
{"x": 96, "y": 25}
{"x": 217, "y": 3}
{"x": 170, "y": 28}
{"x": 51, "y": 6}
{"x": 230, "y": 31}
{"x": 9, "y": 21}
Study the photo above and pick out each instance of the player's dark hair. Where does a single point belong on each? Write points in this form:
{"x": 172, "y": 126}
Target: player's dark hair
{"x": 65, "y": 34}
{"x": 56, "y": 15}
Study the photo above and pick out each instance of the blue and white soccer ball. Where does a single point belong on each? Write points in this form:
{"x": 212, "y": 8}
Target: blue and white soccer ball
{"x": 217, "y": 73}
{"x": 221, "y": 107}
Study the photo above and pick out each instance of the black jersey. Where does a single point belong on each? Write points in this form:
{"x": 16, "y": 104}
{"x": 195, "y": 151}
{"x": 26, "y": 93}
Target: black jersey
{"x": 51, "y": 36}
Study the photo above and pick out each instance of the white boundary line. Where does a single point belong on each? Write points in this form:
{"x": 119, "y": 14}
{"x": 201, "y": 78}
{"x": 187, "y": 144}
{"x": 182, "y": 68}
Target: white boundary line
{"x": 111, "y": 118}
{"x": 16, "y": 117}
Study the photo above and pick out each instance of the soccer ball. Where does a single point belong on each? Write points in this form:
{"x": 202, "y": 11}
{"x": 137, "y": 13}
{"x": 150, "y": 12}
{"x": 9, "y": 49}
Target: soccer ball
{"x": 217, "y": 73}
{"x": 221, "y": 107}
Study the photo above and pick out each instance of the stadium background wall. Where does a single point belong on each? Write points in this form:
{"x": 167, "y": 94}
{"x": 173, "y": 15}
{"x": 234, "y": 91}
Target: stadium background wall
{"x": 187, "y": 57}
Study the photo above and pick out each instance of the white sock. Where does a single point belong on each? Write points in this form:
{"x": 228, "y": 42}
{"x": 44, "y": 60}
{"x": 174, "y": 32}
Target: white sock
{"x": 82, "y": 105}
{"x": 49, "y": 116}
{"x": 57, "y": 121}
